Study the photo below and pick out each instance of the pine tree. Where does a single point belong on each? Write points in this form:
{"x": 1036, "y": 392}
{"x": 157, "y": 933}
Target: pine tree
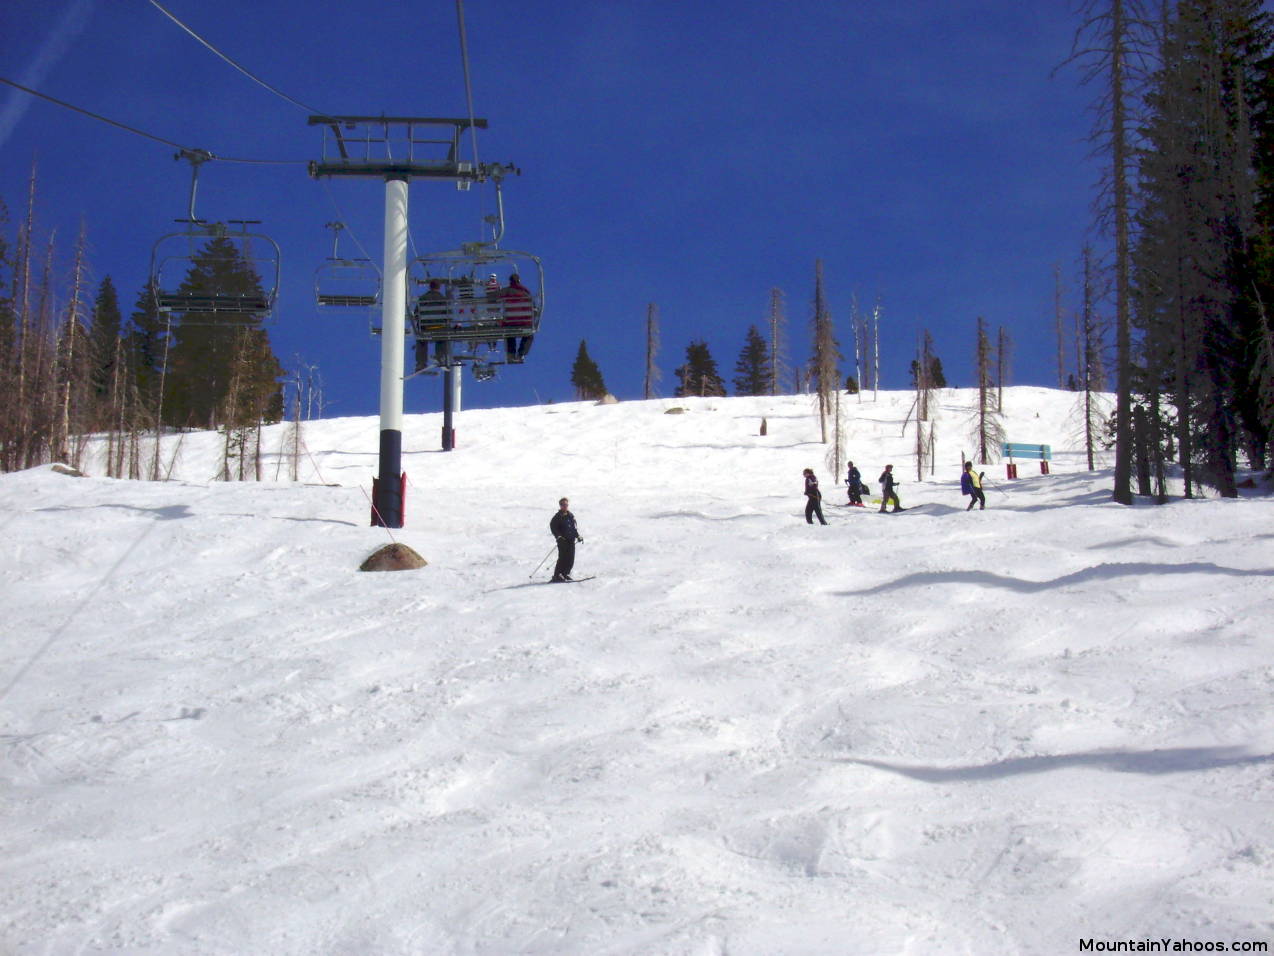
{"x": 1198, "y": 271}
{"x": 936, "y": 377}
{"x": 586, "y": 377}
{"x": 1262, "y": 369}
{"x": 699, "y": 376}
{"x": 221, "y": 368}
{"x": 8, "y": 316}
{"x": 147, "y": 346}
{"x": 104, "y": 333}
{"x": 752, "y": 372}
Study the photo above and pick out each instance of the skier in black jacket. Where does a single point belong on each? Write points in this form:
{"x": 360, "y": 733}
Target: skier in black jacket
{"x": 563, "y": 528}
{"x": 854, "y": 479}
{"x": 887, "y": 485}
{"x": 813, "y": 498}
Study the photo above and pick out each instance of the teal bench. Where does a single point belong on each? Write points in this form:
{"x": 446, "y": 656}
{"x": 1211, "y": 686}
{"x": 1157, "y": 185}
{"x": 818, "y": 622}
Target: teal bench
{"x": 1017, "y": 449}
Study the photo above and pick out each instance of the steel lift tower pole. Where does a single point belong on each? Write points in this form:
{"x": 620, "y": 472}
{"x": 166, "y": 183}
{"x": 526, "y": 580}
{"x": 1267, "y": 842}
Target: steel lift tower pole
{"x": 390, "y": 485}
{"x": 397, "y": 150}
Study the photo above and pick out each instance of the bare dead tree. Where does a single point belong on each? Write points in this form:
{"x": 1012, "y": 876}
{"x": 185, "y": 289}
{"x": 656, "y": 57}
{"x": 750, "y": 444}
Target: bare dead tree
{"x": 1111, "y": 42}
{"x": 875, "y": 360}
{"x": 1003, "y": 350}
{"x": 924, "y": 396}
{"x": 826, "y": 352}
{"x": 778, "y": 322}
{"x": 652, "y": 349}
{"x": 20, "y": 432}
{"x": 74, "y": 418}
{"x": 1059, "y": 324}
{"x": 988, "y": 432}
{"x": 856, "y": 330}
{"x": 1091, "y": 374}
{"x": 836, "y": 456}
{"x": 156, "y": 471}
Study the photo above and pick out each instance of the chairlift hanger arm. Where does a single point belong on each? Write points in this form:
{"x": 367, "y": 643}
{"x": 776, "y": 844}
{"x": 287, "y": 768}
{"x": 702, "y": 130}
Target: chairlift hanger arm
{"x": 195, "y": 157}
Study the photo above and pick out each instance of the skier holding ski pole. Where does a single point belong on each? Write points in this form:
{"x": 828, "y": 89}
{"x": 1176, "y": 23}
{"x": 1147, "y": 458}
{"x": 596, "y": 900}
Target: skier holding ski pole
{"x": 888, "y": 484}
{"x": 542, "y": 560}
{"x": 971, "y": 486}
{"x": 854, "y": 479}
{"x": 813, "y": 498}
{"x": 564, "y": 530}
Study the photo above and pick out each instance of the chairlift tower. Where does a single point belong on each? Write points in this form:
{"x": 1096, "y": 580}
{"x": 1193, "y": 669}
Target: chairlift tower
{"x": 397, "y": 150}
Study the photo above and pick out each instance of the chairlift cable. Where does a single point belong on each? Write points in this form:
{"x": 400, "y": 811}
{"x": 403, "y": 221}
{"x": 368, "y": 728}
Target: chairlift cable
{"x": 146, "y": 135}
{"x": 468, "y": 81}
{"x": 96, "y": 116}
{"x": 248, "y": 73}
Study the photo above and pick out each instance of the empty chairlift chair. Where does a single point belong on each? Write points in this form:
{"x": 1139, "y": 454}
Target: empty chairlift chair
{"x": 346, "y": 283}
{"x": 213, "y": 272}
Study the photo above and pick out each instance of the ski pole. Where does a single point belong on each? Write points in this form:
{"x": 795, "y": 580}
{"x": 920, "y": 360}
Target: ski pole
{"x": 542, "y": 560}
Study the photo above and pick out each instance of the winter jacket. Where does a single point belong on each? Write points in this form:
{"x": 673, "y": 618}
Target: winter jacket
{"x": 563, "y": 527}
{"x": 887, "y": 483}
{"x": 431, "y": 311}
{"x": 519, "y": 309}
{"x": 966, "y": 483}
{"x": 855, "y": 479}
{"x": 811, "y": 487}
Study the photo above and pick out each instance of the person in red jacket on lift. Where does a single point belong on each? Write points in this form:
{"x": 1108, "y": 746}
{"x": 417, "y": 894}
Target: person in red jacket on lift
{"x": 519, "y": 313}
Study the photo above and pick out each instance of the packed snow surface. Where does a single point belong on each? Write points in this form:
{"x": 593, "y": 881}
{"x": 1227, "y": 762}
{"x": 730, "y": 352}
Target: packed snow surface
{"x": 1006, "y": 731}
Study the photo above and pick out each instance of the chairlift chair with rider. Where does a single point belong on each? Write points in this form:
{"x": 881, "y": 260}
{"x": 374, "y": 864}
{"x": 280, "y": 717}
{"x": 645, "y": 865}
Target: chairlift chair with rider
{"x": 463, "y": 311}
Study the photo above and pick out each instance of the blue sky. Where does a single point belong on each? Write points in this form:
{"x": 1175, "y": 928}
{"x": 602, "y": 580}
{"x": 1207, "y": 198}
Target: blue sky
{"x": 690, "y": 155}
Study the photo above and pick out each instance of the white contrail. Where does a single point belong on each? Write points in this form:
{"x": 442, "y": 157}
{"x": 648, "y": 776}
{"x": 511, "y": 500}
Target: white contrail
{"x": 69, "y": 26}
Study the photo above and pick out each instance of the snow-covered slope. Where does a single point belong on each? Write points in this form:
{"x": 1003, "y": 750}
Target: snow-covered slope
{"x": 935, "y": 732}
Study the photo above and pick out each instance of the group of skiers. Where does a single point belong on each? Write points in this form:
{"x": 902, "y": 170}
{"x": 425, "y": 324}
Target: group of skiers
{"x": 970, "y": 485}
{"x": 566, "y": 532}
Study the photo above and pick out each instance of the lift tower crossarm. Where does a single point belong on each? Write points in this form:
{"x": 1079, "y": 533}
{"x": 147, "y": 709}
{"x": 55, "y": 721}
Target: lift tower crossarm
{"x": 392, "y": 147}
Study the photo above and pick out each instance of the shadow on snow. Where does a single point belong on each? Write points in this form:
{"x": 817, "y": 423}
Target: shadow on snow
{"x": 1097, "y": 573}
{"x": 1151, "y": 762}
